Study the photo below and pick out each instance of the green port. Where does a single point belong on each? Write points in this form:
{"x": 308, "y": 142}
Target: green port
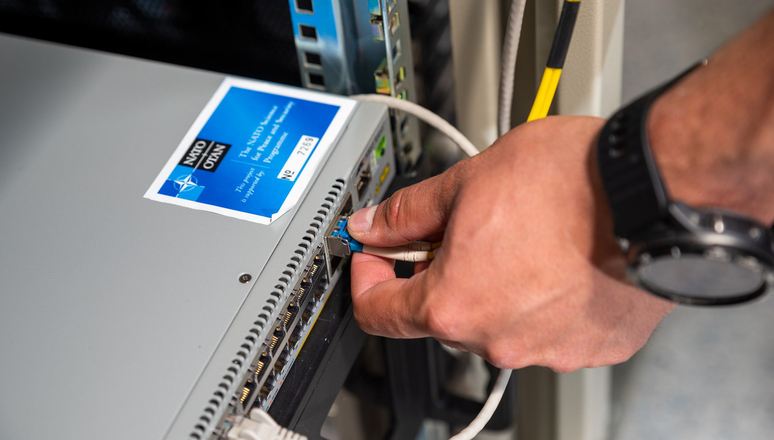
{"x": 380, "y": 146}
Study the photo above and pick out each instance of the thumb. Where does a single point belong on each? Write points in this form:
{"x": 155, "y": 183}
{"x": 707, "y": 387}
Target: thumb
{"x": 412, "y": 213}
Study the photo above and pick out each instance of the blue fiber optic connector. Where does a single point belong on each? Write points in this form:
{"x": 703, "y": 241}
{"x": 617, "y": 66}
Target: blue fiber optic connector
{"x": 342, "y": 234}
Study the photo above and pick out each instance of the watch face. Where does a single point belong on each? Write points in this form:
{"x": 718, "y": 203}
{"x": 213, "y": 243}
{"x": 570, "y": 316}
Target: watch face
{"x": 696, "y": 279}
{"x": 704, "y": 257}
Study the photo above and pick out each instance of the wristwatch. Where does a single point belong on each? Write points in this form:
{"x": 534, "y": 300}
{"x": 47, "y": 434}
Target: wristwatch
{"x": 686, "y": 254}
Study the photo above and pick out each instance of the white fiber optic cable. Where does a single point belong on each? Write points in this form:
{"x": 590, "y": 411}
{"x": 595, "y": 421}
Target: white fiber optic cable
{"x": 508, "y": 65}
{"x": 427, "y": 116}
{"x": 399, "y": 253}
{"x": 489, "y": 408}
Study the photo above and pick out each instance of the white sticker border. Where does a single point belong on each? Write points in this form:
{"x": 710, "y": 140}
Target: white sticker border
{"x": 346, "y": 106}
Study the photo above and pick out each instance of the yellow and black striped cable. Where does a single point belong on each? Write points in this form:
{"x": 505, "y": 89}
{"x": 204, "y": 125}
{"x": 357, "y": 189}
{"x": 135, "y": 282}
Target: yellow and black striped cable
{"x": 550, "y": 81}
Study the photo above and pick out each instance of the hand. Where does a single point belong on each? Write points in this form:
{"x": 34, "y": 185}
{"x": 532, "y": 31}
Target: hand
{"x": 529, "y": 272}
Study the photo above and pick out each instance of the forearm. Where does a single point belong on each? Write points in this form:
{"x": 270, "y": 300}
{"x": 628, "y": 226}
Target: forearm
{"x": 713, "y": 133}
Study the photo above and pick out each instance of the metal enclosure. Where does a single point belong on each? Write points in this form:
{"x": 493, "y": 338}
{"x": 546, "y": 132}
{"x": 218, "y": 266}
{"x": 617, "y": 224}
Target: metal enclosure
{"x": 361, "y": 46}
{"x": 122, "y": 317}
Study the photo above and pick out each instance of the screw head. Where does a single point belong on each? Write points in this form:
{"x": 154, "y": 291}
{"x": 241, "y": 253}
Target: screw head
{"x": 245, "y": 278}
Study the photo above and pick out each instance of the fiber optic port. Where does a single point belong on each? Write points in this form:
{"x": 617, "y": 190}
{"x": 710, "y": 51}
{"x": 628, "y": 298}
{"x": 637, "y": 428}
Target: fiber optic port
{"x": 363, "y": 179}
{"x": 335, "y": 249}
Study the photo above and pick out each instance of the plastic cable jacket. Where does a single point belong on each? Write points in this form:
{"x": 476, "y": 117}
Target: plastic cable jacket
{"x": 397, "y": 253}
{"x": 508, "y": 64}
{"x": 545, "y": 94}
{"x": 490, "y": 406}
{"x": 425, "y": 115}
{"x": 563, "y": 34}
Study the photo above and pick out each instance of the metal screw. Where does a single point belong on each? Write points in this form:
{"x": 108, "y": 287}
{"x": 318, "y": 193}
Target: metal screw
{"x": 245, "y": 278}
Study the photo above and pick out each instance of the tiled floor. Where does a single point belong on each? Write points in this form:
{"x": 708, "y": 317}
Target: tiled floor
{"x": 705, "y": 374}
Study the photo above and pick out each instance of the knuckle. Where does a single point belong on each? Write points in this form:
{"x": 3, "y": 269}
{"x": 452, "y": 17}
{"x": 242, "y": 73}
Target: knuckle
{"x": 457, "y": 171}
{"x": 438, "y": 320}
{"x": 437, "y": 325}
{"x": 456, "y": 175}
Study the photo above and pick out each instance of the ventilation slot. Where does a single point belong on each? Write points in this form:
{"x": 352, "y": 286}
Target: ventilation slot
{"x": 249, "y": 349}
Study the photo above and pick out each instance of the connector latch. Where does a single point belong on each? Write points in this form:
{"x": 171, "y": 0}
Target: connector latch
{"x": 340, "y": 243}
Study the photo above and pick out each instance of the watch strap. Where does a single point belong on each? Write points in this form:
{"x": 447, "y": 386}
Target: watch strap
{"x": 635, "y": 191}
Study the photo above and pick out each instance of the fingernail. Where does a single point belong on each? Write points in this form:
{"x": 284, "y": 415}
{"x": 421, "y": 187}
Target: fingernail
{"x": 361, "y": 221}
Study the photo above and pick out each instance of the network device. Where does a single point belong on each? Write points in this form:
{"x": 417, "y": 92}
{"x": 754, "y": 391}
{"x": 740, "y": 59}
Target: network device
{"x": 162, "y": 238}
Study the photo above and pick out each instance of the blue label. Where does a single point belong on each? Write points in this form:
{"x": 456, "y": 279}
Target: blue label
{"x": 252, "y": 151}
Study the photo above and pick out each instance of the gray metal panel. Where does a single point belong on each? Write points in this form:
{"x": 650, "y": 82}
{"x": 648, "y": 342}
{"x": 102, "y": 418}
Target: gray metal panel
{"x": 364, "y": 129}
{"x": 112, "y": 304}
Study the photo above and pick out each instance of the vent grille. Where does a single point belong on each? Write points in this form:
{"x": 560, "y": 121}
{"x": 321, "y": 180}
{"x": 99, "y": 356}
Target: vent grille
{"x": 251, "y": 345}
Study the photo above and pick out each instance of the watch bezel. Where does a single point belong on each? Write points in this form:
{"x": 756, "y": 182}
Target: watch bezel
{"x": 712, "y": 234}
{"x": 678, "y": 250}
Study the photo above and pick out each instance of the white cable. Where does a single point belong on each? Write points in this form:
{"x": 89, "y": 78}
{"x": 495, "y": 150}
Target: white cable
{"x": 508, "y": 64}
{"x": 426, "y": 115}
{"x": 260, "y": 426}
{"x": 489, "y": 408}
{"x": 398, "y": 253}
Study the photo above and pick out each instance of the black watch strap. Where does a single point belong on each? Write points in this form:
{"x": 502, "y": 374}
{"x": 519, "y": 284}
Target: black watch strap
{"x": 635, "y": 191}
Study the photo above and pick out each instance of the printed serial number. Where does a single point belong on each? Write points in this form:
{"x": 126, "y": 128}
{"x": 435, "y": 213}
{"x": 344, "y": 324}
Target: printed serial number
{"x": 298, "y": 158}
